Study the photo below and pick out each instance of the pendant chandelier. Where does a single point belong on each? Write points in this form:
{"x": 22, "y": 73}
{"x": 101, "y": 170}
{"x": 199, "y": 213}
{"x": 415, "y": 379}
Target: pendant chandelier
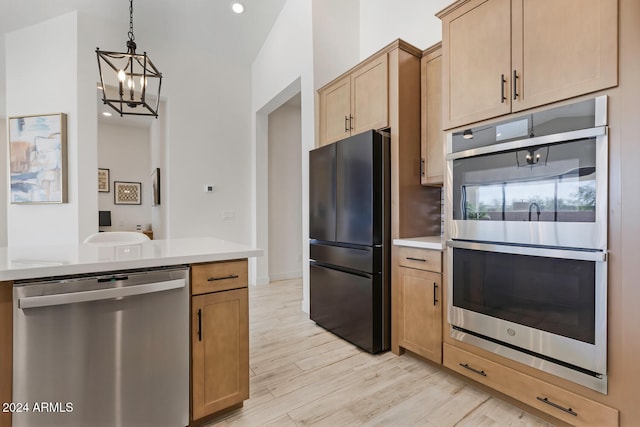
{"x": 129, "y": 82}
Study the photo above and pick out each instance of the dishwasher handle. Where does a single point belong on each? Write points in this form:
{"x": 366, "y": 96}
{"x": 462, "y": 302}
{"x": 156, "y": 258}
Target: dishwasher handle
{"x": 99, "y": 294}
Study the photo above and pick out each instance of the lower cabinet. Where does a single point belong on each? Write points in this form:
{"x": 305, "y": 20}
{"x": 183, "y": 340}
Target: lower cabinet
{"x": 418, "y": 295}
{"x": 219, "y": 337}
{"x": 553, "y": 400}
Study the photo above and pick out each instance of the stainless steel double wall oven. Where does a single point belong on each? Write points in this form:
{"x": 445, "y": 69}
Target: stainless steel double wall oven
{"x": 526, "y": 214}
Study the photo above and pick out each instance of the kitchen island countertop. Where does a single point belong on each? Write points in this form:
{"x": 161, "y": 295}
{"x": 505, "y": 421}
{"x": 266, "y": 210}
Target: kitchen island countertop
{"x": 29, "y": 262}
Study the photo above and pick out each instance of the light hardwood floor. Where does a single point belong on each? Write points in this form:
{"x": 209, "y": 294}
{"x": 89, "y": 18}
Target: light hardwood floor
{"x": 304, "y": 375}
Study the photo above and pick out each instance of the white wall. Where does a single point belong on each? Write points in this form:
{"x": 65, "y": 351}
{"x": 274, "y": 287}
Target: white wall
{"x": 126, "y": 152}
{"x": 208, "y": 141}
{"x": 52, "y": 47}
{"x": 3, "y": 179}
{"x": 159, "y": 159}
{"x": 336, "y": 38}
{"x": 285, "y": 192}
{"x": 383, "y": 21}
{"x": 282, "y": 68}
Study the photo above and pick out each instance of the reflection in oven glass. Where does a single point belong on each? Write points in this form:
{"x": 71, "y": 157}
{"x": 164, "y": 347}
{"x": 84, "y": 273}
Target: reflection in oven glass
{"x": 551, "y": 183}
{"x": 549, "y": 294}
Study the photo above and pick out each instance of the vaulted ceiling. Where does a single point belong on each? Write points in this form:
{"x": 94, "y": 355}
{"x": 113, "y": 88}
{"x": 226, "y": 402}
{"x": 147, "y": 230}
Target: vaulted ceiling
{"x": 206, "y": 24}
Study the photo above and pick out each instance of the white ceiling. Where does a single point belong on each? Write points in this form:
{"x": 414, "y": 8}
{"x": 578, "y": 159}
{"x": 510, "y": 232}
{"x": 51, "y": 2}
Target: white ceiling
{"x": 204, "y": 23}
{"x": 209, "y": 25}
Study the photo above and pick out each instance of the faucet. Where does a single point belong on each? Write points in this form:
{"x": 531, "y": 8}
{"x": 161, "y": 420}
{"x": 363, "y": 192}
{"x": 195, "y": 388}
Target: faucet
{"x": 537, "y": 210}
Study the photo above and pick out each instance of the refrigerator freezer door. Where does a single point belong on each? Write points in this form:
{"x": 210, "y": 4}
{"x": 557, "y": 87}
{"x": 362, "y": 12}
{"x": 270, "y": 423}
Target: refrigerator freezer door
{"x": 322, "y": 193}
{"x": 349, "y": 305}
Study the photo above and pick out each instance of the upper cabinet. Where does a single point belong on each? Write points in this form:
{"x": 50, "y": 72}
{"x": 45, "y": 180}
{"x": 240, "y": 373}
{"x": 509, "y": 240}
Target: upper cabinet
{"x": 383, "y": 92}
{"x": 432, "y": 137}
{"x": 503, "y": 56}
{"x": 356, "y": 102}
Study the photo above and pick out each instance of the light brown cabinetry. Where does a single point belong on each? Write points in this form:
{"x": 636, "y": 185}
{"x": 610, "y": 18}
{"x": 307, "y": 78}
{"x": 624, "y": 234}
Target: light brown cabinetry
{"x": 418, "y": 294}
{"x": 356, "y": 102}
{"x": 431, "y": 137}
{"x": 502, "y": 56}
{"x": 560, "y": 403}
{"x": 219, "y": 337}
{"x": 384, "y": 93}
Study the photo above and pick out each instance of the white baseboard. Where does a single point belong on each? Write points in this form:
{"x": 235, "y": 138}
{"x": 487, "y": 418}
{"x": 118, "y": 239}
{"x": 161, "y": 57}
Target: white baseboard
{"x": 286, "y": 276}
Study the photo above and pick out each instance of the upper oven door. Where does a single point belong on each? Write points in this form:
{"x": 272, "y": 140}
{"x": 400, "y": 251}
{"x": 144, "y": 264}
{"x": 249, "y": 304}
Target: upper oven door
{"x": 549, "y": 191}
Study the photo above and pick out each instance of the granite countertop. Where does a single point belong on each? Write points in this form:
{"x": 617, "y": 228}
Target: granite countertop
{"x": 30, "y": 262}
{"x": 427, "y": 242}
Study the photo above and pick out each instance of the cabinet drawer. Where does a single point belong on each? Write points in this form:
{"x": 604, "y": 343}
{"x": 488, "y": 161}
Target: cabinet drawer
{"x": 218, "y": 276}
{"x": 555, "y": 401}
{"x": 422, "y": 259}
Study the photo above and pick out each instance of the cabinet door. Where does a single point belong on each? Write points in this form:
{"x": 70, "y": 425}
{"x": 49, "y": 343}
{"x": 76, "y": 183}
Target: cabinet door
{"x": 476, "y": 43}
{"x": 432, "y": 137}
{"x": 558, "y": 53}
{"x": 369, "y": 96}
{"x": 220, "y": 351}
{"x": 420, "y": 307}
{"x": 335, "y": 110}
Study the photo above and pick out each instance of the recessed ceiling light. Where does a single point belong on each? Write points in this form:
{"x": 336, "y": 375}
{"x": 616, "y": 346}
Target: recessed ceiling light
{"x": 106, "y": 114}
{"x": 237, "y": 7}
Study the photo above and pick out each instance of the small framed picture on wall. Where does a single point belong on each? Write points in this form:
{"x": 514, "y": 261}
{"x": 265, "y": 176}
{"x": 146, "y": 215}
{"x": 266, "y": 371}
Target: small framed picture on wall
{"x": 103, "y": 181}
{"x": 127, "y": 193}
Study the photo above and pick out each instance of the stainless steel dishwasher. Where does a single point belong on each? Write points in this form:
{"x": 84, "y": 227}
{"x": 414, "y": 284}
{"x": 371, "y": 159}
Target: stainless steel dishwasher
{"x": 103, "y": 350}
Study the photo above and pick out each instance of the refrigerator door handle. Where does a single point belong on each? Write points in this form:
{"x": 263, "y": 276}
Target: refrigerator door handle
{"x": 343, "y": 270}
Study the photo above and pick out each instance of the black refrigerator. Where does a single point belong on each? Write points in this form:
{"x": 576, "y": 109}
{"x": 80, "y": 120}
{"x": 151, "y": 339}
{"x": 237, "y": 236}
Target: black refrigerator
{"x": 349, "y": 229}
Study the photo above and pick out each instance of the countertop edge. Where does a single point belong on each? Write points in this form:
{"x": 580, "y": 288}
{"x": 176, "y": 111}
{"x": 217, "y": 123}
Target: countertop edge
{"x": 434, "y": 243}
{"x": 99, "y": 266}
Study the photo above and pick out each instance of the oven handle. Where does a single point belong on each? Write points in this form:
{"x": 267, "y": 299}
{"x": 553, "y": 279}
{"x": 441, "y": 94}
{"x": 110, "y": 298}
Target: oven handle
{"x": 580, "y": 255}
{"x": 98, "y": 294}
{"x": 531, "y": 142}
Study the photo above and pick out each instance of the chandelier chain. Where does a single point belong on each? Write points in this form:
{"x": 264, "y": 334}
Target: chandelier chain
{"x": 131, "y": 36}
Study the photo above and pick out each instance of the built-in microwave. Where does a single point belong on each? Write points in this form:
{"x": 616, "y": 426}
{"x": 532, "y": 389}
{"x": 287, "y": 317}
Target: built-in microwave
{"x": 540, "y": 179}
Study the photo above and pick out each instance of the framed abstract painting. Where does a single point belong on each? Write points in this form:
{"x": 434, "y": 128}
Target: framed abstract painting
{"x": 38, "y": 158}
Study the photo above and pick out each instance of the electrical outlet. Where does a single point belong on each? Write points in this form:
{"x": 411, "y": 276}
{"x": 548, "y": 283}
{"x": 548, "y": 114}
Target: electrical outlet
{"x": 228, "y": 215}
{"x": 208, "y": 188}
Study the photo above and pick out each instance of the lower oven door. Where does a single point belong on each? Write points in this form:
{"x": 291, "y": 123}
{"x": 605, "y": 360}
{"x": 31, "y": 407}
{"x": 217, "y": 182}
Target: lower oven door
{"x": 543, "y": 307}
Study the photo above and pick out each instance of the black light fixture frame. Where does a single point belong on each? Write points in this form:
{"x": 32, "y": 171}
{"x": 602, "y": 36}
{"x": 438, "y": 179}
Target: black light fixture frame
{"x": 146, "y": 70}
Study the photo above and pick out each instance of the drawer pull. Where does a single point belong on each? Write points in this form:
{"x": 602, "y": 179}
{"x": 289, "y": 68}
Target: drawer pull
{"x": 232, "y": 276}
{"x": 502, "y": 83}
{"x": 346, "y": 126}
{"x": 416, "y": 259}
{"x": 555, "y": 405}
{"x": 466, "y": 366}
{"x": 199, "y": 324}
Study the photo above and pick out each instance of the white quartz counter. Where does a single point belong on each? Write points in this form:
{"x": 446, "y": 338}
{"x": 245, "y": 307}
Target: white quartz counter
{"x": 29, "y": 262}
{"x": 429, "y": 242}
